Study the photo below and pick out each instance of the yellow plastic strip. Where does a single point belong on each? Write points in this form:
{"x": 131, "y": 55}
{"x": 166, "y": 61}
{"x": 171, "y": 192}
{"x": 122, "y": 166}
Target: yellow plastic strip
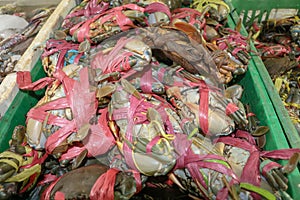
{"x": 10, "y": 162}
{"x": 264, "y": 193}
{"x": 9, "y": 154}
{"x": 220, "y": 162}
{"x": 278, "y": 83}
{"x": 202, "y": 4}
{"x": 167, "y": 136}
{"x": 25, "y": 174}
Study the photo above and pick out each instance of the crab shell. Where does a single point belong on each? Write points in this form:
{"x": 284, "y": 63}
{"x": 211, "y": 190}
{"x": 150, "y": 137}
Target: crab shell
{"x": 187, "y": 101}
{"x": 237, "y": 158}
{"x": 78, "y": 183}
{"x": 37, "y": 131}
{"x": 162, "y": 158}
{"x": 172, "y": 44}
{"x": 214, "y": 180}
{"x": 120, "y": 55}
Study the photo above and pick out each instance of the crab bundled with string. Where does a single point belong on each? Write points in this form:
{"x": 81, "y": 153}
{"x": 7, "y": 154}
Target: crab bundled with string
{"x": 144, "y": 109}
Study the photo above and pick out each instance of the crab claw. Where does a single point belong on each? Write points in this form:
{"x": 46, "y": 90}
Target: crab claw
{"x": 292, "y": 163}
{"x": 140, "y": 49}
{"x": 130, "y": 88}
{"x": 173, "y": 178}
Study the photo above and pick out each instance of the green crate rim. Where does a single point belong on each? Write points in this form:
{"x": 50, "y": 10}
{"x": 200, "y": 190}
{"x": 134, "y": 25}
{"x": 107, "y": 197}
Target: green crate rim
{"x": 283, "y": 116}
{"x": 286, "y": 124}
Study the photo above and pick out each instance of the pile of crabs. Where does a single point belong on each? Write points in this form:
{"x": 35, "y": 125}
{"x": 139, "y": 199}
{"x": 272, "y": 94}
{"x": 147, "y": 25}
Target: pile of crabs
{"x": 278, "y": 43}
{"x": 18, "y": 28}
{"x": 136, "y": 108}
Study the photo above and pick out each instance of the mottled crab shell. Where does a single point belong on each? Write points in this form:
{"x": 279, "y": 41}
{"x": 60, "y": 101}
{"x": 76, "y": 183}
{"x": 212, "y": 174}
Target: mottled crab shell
{"x": 121, "y": 55}
{"x": 176, "y": 46}
{"x": 144, "y": 130}
{"x": 187, "y": 100}
{"x": 237, "y": 158}
{"x": 37, "y": 131}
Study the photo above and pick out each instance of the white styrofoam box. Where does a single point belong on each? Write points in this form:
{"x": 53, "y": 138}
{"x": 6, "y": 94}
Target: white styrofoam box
{"x": 9, "y": 88}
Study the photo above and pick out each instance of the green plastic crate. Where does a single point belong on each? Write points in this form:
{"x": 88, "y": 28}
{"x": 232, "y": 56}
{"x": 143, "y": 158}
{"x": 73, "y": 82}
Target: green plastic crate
{"x": 255, "y": 94}
{"x": 261, "y": 10}
{"x": 22, "y": 103}
{"x": 286, "y": 135}
{"x": 264, "y": 9}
